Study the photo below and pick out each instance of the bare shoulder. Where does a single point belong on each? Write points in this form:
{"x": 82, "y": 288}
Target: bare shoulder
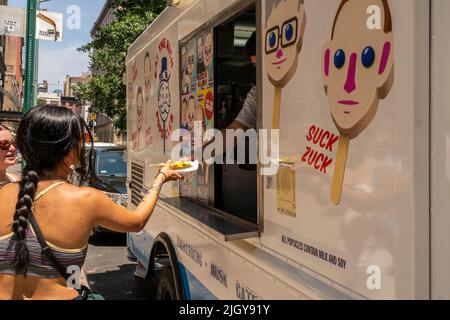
{"x": 79, "y": 196}
{"x": 8, "y": 200}
{"x": 10, "y": 189}
{"x": 91, "y": 196}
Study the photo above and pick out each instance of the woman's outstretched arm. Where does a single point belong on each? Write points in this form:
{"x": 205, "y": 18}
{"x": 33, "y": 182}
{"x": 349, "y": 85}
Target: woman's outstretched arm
{"x": 114, "y": 217}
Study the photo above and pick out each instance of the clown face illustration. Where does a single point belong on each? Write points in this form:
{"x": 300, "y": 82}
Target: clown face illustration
{"x": 164, "y": 100}
{"x": 283, "y": 40}
{"x": 358, "y": 68}
{"x": 208, "y": 50}
{"x": 139, "y": 109}
{"x": 147, "y": 75}
{"x": 209, "y": 105}
{"x": 191, "y": 113}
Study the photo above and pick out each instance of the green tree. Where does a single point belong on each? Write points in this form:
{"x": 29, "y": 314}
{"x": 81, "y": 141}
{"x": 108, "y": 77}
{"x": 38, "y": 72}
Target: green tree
{"x": 41, "y": 102}
{"x": 106, "y": 91}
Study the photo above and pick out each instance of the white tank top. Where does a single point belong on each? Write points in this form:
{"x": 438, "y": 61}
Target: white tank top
{"x": 11, "y": 178}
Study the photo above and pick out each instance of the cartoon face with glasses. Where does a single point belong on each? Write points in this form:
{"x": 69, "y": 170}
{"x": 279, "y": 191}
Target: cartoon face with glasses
{"x": 283, "y": 40}
{"x": 285, "y": 25}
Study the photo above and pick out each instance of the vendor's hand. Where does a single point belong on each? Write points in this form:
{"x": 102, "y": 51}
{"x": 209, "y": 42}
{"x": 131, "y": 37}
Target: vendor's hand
{"x": 171, "y": 175}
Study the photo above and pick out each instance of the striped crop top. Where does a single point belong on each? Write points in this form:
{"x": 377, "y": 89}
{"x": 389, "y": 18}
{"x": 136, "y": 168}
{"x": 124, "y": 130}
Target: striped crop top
{"x": 40, "y": 266}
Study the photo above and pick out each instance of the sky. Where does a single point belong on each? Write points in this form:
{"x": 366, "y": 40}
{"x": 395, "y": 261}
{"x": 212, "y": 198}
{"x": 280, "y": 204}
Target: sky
{"x": 58, "y": 59}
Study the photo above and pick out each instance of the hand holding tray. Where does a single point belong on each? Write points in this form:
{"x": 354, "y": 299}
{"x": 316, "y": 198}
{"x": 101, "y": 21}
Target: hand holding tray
{"x": 180, "y": 166}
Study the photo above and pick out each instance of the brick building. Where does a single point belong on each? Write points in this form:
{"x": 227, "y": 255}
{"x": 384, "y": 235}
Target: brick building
{"x": 13, "y": 84}
{"x": 2, "y": 62}
{"x": 71, "y": 82}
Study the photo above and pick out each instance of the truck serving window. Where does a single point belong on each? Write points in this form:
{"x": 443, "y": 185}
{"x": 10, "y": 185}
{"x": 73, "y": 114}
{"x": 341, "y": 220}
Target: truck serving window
{"x": 216, "y": 77}
{"x": 235, "y": 184}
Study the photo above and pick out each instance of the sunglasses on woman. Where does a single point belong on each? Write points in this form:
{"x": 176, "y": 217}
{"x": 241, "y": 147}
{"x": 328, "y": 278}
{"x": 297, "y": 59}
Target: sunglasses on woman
{"x": 6, "y": 144}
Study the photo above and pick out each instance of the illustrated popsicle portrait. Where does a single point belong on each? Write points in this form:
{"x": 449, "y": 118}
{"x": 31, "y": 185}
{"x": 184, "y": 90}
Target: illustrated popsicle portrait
{"x": 285, "y": 26}
{"x": 358, "y": 71}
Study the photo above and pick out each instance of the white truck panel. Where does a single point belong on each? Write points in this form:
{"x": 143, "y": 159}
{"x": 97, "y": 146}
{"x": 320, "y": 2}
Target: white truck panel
{"x": 383, "y": 217}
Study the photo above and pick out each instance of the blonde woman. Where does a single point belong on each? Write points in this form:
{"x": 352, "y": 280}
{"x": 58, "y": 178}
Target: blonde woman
{"x": 7, "y": 156}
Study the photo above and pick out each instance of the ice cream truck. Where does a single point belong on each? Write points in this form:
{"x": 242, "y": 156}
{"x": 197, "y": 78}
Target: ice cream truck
{"x": 352, "y": 94}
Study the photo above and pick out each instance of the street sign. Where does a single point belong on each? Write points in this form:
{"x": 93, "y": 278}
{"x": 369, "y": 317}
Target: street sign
{"x": 49, "y": 26}
{"x": 12, "y": 21}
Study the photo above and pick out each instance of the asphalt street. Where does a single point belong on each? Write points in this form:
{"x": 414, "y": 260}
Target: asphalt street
{"x": 110, "y": 273}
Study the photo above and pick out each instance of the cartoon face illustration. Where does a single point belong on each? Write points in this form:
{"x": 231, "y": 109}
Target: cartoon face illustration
{"x": 208, "y": 50}
{"x": 139, "y": 109}
{"x": 164, "y": 100}
{"x": 358, "y": 65}
{"x": 209, "y": 105}
{"x": 200, "y": 123}
{"x": 191, "y": 113}
{"x": 200, "y": 49}
{"x": 184, "y": 112}
{"x": 147, "y": 75}
{"x": 200, "y": 115}
{"x": 132, "y": 76}
{"x": 285, "y": 26}
{"x": 191, "y": 61}
{"x": 184, "y": 57}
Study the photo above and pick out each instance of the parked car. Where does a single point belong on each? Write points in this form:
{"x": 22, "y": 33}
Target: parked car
{"x": 109, "y": 173}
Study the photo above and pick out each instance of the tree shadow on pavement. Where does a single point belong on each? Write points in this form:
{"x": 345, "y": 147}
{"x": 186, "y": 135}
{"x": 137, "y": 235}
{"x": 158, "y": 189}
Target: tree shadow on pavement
{"x": 122, "y": 284}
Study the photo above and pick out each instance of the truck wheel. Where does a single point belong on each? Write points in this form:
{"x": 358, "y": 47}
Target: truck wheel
{"x": 166, "y": 286}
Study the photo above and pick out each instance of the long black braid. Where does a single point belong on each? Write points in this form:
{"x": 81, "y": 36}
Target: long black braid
{"x": 24, "y": 208}
{"x": 45, "y": 137}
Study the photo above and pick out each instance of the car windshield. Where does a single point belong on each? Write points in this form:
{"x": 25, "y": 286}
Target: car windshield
{"x": 111, "y": 163}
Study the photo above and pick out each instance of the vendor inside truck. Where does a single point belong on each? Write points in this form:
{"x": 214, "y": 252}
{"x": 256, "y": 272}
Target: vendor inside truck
{"x": 236, "y": 107}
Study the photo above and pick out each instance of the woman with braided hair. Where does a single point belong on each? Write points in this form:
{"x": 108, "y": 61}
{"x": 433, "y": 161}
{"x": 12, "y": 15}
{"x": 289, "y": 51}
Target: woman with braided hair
{"x": 43, "y": 205}
{"x": 7, "y": 156}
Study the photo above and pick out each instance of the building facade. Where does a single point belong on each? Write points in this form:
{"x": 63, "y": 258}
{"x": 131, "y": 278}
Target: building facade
{"x": 50, "y": 98}
{"x": 13, "y": 84}
{"x": 42, "y": 87}
{"x": 106, "y": 16}
{"x": 71, "y": 82}
{"x": 2, "y": 61}
{"x": 70, "y": 103}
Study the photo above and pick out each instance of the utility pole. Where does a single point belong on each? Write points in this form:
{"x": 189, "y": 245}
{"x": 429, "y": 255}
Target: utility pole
{"x": 30, "y": 56}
